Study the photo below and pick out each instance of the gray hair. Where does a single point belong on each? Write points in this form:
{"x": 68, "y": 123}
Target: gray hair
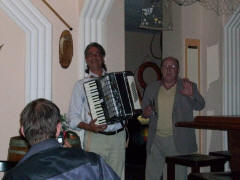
{"x": 39, "y": 120}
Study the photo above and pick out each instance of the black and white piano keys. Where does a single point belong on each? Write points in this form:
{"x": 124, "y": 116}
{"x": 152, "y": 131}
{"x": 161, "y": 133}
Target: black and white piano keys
{"x": 95, "y": 102}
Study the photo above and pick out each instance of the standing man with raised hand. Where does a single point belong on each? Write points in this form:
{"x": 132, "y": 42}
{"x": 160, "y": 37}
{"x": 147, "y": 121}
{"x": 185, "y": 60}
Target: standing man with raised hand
{"x": 166, "y": 102}
{"x": 106, "y": 140}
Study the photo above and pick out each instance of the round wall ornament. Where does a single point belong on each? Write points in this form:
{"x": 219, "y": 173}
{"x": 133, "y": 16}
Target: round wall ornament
{"x": 65, "y": 49}
{"x": 143, "y": 67}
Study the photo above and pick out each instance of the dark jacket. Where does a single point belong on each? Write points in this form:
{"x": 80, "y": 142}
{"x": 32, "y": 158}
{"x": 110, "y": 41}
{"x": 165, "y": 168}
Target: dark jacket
{"x": 49, "y": 161}
{"x": 184, "y": 138}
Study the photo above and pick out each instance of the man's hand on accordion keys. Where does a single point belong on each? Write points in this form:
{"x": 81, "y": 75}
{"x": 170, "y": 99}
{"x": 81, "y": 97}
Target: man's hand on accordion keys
{"x": 96, "y": 128}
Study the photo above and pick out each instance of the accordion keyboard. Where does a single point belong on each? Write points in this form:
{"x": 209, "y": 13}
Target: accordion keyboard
{"x": 95, "y": 102}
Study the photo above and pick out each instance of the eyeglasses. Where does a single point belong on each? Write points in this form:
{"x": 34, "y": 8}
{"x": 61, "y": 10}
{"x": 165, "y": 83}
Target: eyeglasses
{"x": 172, "y": 66}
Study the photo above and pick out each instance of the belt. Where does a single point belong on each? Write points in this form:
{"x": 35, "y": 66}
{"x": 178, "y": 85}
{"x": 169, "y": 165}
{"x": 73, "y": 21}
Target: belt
{"x": 112, "y": 132}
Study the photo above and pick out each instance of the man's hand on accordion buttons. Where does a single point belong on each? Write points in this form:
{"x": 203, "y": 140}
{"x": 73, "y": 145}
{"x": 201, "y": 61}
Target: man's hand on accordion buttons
{"x": 96, "y": 128}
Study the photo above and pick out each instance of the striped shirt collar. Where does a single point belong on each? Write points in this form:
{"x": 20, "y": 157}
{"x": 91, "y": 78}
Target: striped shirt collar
{"x": 91, "y": 74}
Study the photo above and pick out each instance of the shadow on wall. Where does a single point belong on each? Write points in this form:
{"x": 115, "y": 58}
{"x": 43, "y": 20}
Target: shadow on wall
{"x": 214, "y": 139}
{"x": 214, "y": 98}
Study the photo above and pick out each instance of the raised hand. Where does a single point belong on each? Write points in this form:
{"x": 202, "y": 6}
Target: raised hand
{"x": 187, "y": 87}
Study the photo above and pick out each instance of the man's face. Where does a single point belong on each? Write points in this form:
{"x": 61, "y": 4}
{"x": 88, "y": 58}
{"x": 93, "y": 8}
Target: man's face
{"x": 169, "y": 70}
{"x": 94, "y": 59}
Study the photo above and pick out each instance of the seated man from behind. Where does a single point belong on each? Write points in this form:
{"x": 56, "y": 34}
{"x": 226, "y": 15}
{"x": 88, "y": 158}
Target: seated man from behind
{"x": 47, "y": 159}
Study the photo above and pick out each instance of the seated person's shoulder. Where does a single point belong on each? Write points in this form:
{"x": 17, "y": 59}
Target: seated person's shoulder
{"x": 79, "y": 153}
{"x": 53, "y": 162}
{"x": 76, "y": 154}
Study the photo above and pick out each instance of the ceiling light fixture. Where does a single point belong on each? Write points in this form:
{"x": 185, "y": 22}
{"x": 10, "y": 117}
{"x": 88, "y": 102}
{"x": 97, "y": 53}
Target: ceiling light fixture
{"x": 221, "y": 7}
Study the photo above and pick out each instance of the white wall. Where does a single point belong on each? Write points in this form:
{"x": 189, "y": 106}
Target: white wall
{"x": 200, "y": 23}
{"x": 114, "y": 35}
{"x": 62, "y": 79}
{"x": 12, "y": 73}
{"x": 195, "y": 22}
{"x": 172, "y": 40}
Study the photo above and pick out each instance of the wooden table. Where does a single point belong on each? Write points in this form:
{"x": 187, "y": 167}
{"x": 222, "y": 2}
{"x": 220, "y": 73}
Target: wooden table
{"x": 215, "y": 175}
{"x": 229, "y": 123}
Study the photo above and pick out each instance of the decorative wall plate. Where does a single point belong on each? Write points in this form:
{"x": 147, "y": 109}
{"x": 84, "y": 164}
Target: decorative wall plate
{"x": 65, "y": 49}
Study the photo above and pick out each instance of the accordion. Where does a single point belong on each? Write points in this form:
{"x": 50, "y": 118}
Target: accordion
{"x": 113, "y": 97}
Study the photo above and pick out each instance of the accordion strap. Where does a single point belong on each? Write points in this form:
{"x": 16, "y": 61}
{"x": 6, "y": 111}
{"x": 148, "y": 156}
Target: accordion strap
{"x": 124, "y": 124}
